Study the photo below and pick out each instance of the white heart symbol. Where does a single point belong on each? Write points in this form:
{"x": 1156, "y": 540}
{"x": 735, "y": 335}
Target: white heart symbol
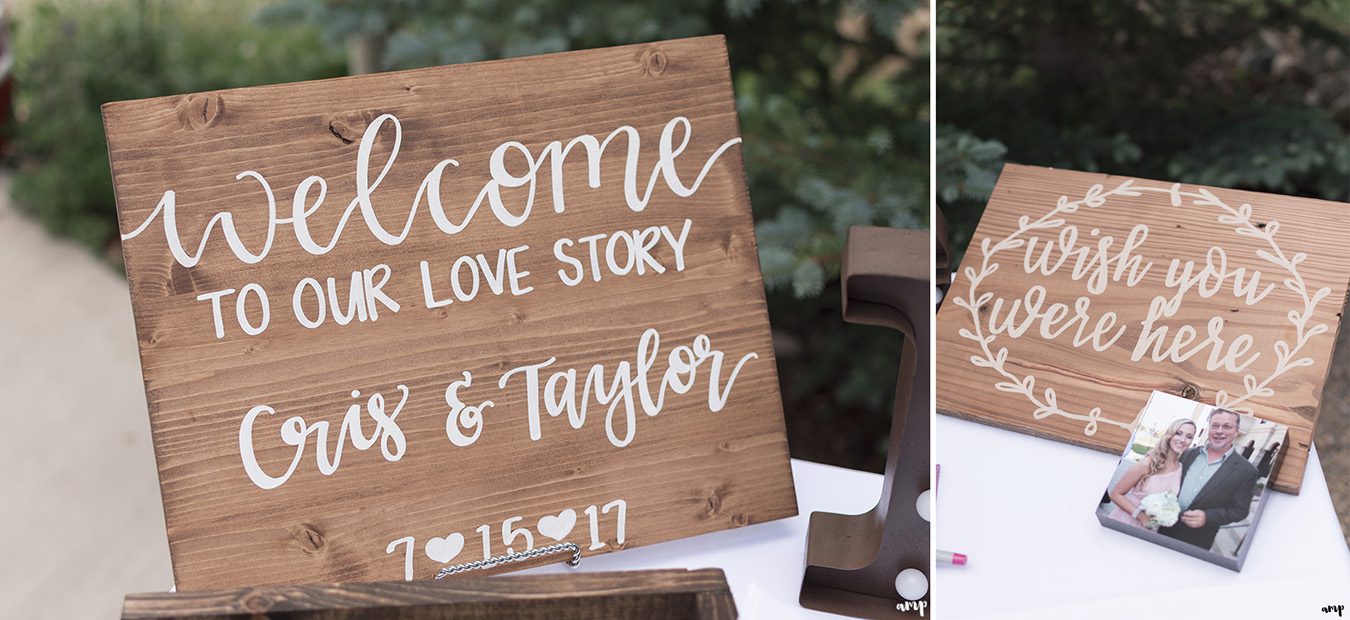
{"x": 445, "y": 549}
{"x": 560, "y": 526}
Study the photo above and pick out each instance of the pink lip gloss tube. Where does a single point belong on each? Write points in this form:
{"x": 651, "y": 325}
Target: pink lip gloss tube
{"x": 950, "y": 558}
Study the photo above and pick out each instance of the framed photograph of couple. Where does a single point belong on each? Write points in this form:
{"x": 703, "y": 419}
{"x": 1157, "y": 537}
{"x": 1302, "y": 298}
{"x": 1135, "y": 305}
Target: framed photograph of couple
{"x": 1193, "y": 478}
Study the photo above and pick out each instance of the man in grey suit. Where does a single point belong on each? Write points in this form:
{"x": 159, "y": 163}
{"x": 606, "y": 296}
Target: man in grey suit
{"x": 1216, "y": 484}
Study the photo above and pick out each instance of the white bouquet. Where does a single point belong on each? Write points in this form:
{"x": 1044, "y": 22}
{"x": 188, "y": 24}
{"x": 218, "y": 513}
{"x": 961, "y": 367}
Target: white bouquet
{"x": 1162, "y": 508}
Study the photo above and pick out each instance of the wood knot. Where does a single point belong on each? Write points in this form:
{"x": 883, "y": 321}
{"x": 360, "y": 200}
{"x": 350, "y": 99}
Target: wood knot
{"x": 741, "y": 519}
{"x": 654, "y": 62}
{"x": 309, "y": 538}
{"x": 201, "y": 110}
{"x": 1188, "y": 390}
{"x": 347, "y": 127}
{"x": 714, "y": 502}
{"x": 984, "y": 309}
{"x": 182, "y": 281}
{"x": 257, "y": 603}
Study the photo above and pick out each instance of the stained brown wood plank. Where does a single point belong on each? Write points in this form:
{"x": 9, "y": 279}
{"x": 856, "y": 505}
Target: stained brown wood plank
{"x": 687, "y": 471}
{"x": 1114, "y": 379}
{"x": 672, "y": 594}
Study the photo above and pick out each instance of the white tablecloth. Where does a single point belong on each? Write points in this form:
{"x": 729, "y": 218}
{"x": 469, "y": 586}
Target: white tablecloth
{"x": 1022, "y": 508}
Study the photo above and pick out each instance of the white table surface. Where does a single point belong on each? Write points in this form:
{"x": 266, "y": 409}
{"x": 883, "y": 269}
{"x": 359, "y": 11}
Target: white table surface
{"x": 763, "y": 562}
{"x": 1022, "y": 508}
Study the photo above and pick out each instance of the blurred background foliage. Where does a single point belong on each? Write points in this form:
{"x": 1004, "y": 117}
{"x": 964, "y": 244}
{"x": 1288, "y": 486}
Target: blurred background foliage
{"x": 71, "y": 57}
{"x": 832, "y": 97}
{"x": 1250, "y": 94}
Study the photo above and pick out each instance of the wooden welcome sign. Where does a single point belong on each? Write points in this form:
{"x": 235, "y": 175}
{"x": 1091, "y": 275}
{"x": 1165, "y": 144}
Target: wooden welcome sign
{"x": 1081, "y": 293}
{"x": 393, "y": 322}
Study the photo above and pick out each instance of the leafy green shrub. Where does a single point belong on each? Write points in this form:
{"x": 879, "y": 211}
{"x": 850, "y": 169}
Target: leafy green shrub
{"x": 72, "y": 56}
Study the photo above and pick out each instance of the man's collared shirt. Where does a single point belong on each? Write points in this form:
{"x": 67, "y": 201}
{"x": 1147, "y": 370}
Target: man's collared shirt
{"x": 1198, "y": 475}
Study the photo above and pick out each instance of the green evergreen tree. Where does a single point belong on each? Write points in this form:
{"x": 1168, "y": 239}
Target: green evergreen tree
{"x": 1248, "y": 94}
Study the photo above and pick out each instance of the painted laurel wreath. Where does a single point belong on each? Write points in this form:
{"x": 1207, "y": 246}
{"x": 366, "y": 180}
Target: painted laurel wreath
{"x": 1240, "y": 218}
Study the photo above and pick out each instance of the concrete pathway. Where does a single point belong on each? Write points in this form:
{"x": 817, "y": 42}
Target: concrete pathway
{"x": 80, "y": 516}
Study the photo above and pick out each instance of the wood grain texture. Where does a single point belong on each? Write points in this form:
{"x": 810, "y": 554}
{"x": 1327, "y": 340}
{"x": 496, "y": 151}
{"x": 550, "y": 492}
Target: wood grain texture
{"x": 687, "y": 471}
{"x": 1113, "y": 380}
{"x": 852, "y": 560}
{"x": 702, "y": 594}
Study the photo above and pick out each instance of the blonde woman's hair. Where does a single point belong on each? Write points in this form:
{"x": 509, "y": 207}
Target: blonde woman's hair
{"x": 1157, "y": 455}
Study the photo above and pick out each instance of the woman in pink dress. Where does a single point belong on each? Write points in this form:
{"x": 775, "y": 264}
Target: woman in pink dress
{"x": 1158, "y": 471}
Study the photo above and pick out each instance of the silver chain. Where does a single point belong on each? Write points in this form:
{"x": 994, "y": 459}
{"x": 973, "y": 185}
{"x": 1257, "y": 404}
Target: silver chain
{"x": 514, "y": 557}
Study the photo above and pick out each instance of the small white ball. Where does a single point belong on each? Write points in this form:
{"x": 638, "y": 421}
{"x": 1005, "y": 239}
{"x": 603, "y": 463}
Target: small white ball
{"x": 911, "y": 584}
{"x": 925, "y": 506}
